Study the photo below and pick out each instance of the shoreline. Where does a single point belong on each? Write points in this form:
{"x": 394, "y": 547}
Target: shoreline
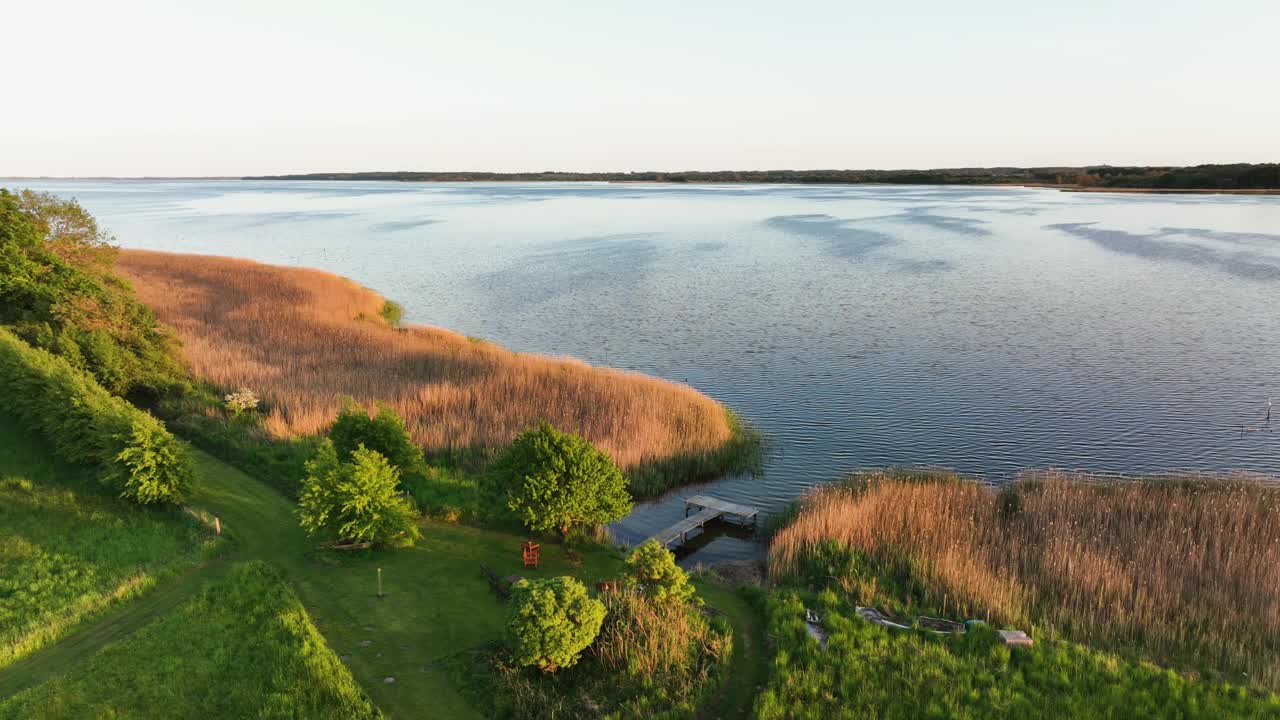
{"x": 305, "y": 337}
{"x": 744, "y": 183}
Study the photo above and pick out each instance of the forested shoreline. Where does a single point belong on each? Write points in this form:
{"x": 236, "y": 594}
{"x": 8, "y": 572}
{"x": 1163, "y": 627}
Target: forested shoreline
{"x": 1240, "y": 176}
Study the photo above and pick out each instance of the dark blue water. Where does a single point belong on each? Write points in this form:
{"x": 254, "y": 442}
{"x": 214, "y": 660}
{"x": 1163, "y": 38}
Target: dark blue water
{"x": 985, "y": 329}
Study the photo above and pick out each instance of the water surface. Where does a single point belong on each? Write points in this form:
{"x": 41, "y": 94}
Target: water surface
{"x": 983, "y": 329}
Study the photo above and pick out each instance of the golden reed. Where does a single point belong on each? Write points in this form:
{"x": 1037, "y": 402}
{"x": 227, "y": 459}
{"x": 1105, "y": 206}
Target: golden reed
{"x": 302, "y": 339}
{"x": 1187, "y": 572}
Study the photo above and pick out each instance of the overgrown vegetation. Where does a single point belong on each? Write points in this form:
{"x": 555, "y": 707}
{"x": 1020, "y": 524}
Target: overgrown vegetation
{"x": 1177, "y": 571}
{"x": 84, "y": 424}
{"x": 244, "y": 647}
{"x": 656, "y": 655}
{"x": 58, "y": 293}
{"x": 555, "y": 481}
{"x": 68, "y": 549}
{"x": 865, "y": 670}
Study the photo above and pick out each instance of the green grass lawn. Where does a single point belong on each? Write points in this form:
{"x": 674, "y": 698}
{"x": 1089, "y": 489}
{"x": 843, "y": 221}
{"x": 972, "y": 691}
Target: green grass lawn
{"x": 69, "y": 550}
{"x": 436, "y": 605}
{"x": 242, "y": 647}
{"x": 867, "y": 671}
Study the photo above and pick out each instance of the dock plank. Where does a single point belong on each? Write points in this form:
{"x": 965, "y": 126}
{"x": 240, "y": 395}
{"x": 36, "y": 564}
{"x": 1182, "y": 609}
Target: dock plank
{"x": 671, "y": 534}
{"x": 708, "y": 502}
{"x": 709, "y": 508}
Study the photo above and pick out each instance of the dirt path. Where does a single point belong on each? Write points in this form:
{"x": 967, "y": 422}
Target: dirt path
{"x": 748, "y": 668}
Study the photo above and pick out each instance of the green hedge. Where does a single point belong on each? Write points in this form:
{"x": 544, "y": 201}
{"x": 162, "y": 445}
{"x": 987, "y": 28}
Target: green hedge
{"x": 83, "y": 423}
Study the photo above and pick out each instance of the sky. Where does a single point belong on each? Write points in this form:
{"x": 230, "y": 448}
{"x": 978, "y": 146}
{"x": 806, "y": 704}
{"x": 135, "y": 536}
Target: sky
{"x": 176, "y": 88}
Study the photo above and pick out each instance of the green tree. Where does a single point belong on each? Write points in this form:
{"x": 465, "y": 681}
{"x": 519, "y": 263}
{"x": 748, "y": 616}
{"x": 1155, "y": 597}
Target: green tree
{"x": 559, "y": 481}
{"x": 551, "y": 621}
{"x": 384, "y": 432}
{"x": 69, "y": 230}
{"x": 355, "y": 501}
{"x": 654, "y": 567}
{"x": 153, "y": 467}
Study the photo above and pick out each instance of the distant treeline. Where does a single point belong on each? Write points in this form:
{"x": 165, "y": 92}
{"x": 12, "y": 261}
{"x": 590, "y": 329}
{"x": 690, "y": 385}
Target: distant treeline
{"x": 1214, "y": 177}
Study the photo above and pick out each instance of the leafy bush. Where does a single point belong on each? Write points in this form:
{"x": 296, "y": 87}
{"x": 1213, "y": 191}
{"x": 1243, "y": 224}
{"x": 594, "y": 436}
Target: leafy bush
{"x": 241, "y": 401}
{"x": 654, "y": 567}
{"x": 558, "y": 481}
{"x": 384, "y": 432}
{"x": 83, "y": 423}
{"x": 551, "y": 622}
{"x": 391, "y": 312}
{"x": 650, "y": 660}
{"x": 355, "y": 501}
{"x": 152, "y": 467}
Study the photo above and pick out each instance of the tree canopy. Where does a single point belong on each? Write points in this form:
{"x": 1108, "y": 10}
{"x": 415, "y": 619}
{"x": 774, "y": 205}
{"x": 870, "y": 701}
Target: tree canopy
{"x": 356, "y": 500}
{"x": 384, "y": 432}
{"x": 654, "y": 567}
{"x": 560, "y": 481}
{"x": 57, "y": 292}
{"x": 551, "y": 621}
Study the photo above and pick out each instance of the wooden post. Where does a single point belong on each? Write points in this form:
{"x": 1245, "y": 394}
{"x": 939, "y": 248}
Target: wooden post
{"x": 379, "y": 582}
{"x": 217, "y": 525}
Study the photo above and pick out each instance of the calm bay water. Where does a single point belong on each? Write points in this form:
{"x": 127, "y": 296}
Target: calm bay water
{"x": 983, "y": 329}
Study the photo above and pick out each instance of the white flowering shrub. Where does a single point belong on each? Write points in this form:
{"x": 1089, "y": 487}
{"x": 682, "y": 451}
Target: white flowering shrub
{"x": 241, "y": 401}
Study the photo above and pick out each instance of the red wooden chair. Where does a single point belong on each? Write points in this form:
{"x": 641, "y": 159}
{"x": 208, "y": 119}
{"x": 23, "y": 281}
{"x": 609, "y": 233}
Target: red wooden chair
{"x": 531, "y": 552}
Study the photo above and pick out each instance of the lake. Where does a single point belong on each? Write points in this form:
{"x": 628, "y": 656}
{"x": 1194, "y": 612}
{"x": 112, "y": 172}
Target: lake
{"x": 982, "y": 329}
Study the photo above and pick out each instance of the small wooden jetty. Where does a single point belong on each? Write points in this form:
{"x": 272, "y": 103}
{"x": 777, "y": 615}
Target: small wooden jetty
{"x": 707, "y": 509}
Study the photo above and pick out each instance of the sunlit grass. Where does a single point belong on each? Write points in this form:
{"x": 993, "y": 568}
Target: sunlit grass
{"x": 68, "y": 549}
{"x": 244, "y": 647}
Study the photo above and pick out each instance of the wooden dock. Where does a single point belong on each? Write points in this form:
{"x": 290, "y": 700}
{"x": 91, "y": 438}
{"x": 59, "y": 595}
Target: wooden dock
{"x": 707, "y": 509}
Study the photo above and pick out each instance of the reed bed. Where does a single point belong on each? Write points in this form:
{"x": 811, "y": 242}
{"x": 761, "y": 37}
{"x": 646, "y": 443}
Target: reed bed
{"x": 302, "y": 339}
{"x": 1182, "y": 571}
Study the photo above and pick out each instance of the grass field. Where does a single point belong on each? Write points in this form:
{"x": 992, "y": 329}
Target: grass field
{"x": 303, "y": 339}
{"x": 1183, "y": 573}
{"x": 867, "y": 671}
{"x": 436, "y": 605}
{"x": 69, "y": 550}
{"x": 243, "y": 647}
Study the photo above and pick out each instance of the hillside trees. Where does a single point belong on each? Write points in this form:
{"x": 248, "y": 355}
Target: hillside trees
{"x": 57, "y": 292}
{"x": 132, "y": 451}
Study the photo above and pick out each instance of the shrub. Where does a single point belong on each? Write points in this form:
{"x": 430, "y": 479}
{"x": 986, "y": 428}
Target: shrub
{"x": 384, "y": 432}
{"x": 241, "y": 401}
{"x": 558, "y": 481}
{"x": 132, "y": 451}
{"x": 355, "y": 501}
{"x": 153, "y": 467}
{"x": 551, "y": 622}
{"x": 654, "y": 567}
{"x": 391, "y": 312}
